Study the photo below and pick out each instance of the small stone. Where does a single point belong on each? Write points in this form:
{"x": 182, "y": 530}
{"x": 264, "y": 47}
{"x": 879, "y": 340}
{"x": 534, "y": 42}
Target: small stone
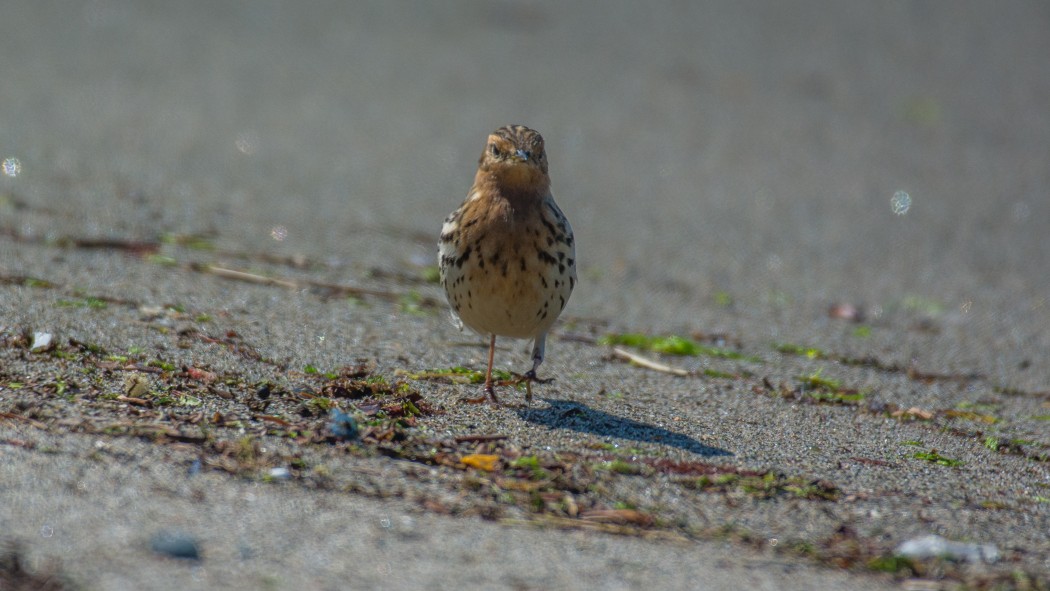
{"x": 937, "y": 547}
{"x": 846, "y": 311}
{"x": 263, "y": 392}
{"x": 342, "y": 426}
{"x": 136, "y": 385}
{"x": 176, "y": 544}
{"x": 280, "y": 473}
{"x": 42, "y": 341}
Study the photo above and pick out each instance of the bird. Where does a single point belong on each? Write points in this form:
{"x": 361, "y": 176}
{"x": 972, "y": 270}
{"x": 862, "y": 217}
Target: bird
{"x": 507, "y": 255}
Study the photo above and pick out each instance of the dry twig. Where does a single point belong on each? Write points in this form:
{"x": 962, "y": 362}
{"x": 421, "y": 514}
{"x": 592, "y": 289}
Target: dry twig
{"x": 649, "y": 363}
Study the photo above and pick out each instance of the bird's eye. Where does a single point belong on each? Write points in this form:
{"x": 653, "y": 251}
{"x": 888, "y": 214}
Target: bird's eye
{"x": 495, "y": 150}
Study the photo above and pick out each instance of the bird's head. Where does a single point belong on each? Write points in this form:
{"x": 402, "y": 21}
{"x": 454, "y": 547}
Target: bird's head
{"x": 514, "y": 154}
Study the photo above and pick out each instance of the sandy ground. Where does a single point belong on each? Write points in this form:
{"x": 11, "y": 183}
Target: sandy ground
{"x": 845, "y": 205}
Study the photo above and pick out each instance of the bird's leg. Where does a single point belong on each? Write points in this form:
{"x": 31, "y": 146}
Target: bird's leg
{"x": 489, "y": 388}
{"x": 537, "y": 356}
{"x": 537, "y": 359}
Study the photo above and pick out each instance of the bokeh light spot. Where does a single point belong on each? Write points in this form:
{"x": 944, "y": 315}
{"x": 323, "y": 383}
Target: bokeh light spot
{"x": 1020, "y": 211}
{"x": 901, "y": 202}
{"x": 12, "y": 167}
{"x": 774, "y": 263}
{"x": 247, "y": 142}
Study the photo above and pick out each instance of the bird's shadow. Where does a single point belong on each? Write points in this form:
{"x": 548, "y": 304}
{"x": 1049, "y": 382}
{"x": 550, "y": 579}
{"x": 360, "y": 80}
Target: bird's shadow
{"x": 567, "y": 414}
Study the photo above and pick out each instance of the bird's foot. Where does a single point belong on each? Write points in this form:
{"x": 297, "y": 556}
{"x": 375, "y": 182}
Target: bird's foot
{"x": 528, "y": 379}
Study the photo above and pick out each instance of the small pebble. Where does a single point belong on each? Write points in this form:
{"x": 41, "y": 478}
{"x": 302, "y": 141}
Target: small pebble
{"x": 280, "y": 473}
{"x": 342, "y": 426}
{"x": 176, "y": 544}
{"x": 938, "y": 547}
{"x": 41, "y": 342}
{"x": 846, "y": 312}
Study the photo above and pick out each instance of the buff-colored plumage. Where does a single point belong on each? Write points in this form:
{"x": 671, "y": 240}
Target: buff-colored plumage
{"x": 507, "y": 255}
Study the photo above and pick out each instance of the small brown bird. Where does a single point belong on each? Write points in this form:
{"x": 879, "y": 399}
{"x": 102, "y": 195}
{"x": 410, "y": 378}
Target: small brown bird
{"x": 507, "y": 255}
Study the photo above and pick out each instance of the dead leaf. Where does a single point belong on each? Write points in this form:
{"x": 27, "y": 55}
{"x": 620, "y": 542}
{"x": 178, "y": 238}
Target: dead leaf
{"x": 619, "y": 516}
{"x": 486, "y": 462}
{"x": 200, "y": 374}
{"x": 914, "y": 413}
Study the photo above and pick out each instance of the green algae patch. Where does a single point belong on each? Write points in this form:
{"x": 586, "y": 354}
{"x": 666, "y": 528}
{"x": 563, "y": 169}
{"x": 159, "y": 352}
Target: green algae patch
{"x": 936, "y": 458}
{"x": 825, "y": 389}
{"x": 458, "y": 375}
{"x": 431, "y": 274}
{"x": 620, "y": 467}
{"x": 674, "y": 345}
{"x": 765, "y": 485}
{"x": 801, "y": 351}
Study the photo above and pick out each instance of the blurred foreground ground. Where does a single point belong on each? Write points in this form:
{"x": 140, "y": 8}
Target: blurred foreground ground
{"x": 864, "y": 368}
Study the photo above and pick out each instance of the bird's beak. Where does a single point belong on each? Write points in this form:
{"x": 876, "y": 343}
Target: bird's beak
{"x": 522, "y": 155}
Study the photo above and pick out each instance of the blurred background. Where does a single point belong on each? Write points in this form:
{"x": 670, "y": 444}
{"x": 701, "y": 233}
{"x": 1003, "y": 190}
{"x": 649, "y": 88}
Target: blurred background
{"x": 727, "y": 166}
